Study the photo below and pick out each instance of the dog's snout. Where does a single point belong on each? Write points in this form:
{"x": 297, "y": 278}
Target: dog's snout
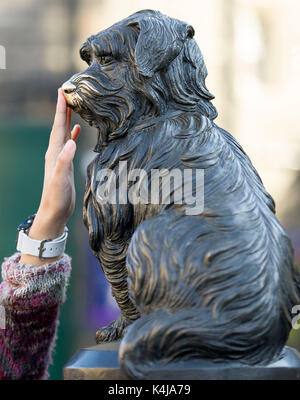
{"x": 68, "y": 87}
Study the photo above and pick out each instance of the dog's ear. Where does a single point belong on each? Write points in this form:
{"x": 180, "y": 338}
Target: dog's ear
{"x": 160, "y": 40}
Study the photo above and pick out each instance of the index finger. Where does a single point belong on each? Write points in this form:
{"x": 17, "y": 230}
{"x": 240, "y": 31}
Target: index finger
{"x": 59, "y": 128}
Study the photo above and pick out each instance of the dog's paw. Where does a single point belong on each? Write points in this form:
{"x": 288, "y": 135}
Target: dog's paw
{"x": 107, "y": 334}
{"x": 112, "y": 332}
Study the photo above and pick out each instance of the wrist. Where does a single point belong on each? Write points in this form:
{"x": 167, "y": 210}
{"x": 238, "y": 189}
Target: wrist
{"x": 46, "y": 227}
{"x": 36, "y": 261}
{"x": 45, "y": 235}
{"x": 41, "y": 229}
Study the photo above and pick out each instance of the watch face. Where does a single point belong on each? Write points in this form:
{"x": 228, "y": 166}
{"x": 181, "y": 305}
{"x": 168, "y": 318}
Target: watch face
{"x": 26, "y": 224}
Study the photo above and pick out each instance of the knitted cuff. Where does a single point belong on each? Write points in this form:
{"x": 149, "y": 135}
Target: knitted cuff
{"x": 34, "y": 287}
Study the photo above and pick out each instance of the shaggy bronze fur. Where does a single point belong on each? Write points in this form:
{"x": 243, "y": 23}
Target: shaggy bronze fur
{"x": 218, "y": 285}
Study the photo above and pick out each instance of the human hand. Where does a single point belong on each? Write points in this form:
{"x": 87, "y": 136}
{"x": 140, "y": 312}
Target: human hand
{"x": 58, "y": 196}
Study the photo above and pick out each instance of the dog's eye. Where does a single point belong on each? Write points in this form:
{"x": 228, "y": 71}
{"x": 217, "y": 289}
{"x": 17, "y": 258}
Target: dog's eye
{"x": 85, "y": 56}
{"x": 104, "y": 60}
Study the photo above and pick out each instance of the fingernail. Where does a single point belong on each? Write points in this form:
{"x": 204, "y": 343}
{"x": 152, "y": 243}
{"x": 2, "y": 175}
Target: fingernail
{"x": 76, "y": 125}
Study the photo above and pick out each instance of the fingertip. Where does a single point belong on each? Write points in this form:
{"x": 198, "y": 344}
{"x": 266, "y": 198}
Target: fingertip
{"x": 70, "y": 146}
{"x": 77, "y": 128}
{"x": 59, "y": 92}
{"x": 61, "y": 101}
{"x": 75, "y": 131}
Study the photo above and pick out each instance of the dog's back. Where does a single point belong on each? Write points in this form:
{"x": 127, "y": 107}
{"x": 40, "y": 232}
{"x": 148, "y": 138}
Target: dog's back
{"x": 218, "y": 285}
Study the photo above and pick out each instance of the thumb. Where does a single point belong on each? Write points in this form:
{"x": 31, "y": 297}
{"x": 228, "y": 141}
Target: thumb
{"x": 66, "y": 156}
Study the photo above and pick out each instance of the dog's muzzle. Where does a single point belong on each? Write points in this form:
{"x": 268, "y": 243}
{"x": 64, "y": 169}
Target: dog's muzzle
{"x": 68, "y": 87}
{"x": 69, "y": 90}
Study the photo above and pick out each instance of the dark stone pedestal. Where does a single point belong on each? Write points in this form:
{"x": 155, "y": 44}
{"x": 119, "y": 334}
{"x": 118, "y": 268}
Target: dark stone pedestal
{"x": 101, "y": 363}
{"x": 97, "y": 363}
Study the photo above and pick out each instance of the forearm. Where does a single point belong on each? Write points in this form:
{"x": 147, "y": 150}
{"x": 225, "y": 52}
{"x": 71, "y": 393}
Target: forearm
{"x": 31, "y": 297}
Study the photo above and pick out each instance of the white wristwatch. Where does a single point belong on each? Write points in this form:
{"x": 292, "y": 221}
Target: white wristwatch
{"x": 47, "y": 248}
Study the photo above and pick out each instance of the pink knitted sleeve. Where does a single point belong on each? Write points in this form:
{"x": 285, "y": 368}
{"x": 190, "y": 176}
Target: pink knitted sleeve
{"x": 29, "y": 308}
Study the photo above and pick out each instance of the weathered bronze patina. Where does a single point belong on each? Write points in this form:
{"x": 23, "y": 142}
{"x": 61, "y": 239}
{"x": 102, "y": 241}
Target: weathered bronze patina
{"x": 216, "y": 285}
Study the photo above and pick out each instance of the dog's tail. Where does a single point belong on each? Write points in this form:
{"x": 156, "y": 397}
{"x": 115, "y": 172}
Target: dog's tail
{"x": 160, "y": 338}
{"x": 202, "y": 295}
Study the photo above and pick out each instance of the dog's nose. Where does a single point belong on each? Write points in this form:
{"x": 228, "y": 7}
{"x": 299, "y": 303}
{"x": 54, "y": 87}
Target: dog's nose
{"x": 68, "y": 87}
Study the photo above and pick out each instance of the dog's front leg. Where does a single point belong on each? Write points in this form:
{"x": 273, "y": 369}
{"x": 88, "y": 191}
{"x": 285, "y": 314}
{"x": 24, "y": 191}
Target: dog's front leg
{"x": 112, "y": 258}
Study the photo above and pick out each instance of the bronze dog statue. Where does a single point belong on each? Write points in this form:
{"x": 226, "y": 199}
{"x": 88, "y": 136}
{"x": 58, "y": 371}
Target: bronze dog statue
{"x": 218, "y": 285}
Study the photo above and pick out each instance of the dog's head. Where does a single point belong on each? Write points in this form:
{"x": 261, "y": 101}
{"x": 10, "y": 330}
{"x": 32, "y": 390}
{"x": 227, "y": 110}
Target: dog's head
{"x": 142, "y": 67}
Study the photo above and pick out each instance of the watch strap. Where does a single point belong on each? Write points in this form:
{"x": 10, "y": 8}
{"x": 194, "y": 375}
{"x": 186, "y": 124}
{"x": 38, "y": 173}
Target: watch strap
{"x": 47, "y": 248}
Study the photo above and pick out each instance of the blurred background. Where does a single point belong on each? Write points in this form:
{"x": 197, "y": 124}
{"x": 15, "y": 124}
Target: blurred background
{"x": 252, "y": 52}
